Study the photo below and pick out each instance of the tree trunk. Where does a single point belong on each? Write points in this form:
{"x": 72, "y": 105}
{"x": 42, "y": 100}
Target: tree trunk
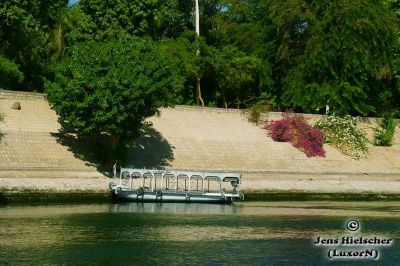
{"x": 197, "y": 17}
{"x": 199, "y": 99}
{"x": 224, "y": 99}
{"x": 114, "y": 139}
{"x": 198, "y": 92}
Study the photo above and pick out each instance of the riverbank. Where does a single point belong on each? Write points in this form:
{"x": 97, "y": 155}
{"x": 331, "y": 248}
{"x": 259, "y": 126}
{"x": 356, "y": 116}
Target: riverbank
{"x": 268, "y": 187}
{"x": 272, "y": 187}
{"x": 37, "y": 156}
{"x": 33, "y": 198}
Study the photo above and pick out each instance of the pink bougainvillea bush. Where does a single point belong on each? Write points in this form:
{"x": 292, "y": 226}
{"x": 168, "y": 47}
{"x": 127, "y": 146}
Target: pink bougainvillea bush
{"x": 295, "y": 129}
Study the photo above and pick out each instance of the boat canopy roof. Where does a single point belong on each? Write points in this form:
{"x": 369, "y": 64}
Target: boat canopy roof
{"x": 190, "y": 174}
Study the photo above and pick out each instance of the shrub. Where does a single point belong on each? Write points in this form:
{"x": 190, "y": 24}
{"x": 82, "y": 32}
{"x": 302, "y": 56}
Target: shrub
{"x": 10, "y": 75}
{"x": 383, "y": 135}
{"x": 260, "y": 109}
{"x": 295, "y": 129}
{"x": 254, "y": 114}
{"x": 344, "y": 134}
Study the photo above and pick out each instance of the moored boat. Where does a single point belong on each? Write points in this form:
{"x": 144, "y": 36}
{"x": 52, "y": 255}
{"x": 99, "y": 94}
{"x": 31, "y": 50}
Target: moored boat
{"x": 152, "y": 185}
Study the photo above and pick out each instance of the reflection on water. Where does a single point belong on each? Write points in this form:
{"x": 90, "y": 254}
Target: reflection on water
{"x": 364, "y": 209}
{"x": 253, "y": 233}
{"x": 175, "y": 208}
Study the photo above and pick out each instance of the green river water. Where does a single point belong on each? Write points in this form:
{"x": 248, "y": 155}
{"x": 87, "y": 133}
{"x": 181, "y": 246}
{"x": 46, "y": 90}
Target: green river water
{"x": 249, "y": 233}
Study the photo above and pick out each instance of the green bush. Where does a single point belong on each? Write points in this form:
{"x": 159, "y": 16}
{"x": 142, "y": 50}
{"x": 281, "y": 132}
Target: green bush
{"x": 344, "y": 134}
{"x": 383, "y": 135}
{"x": 10, "y": 75}
{"x": 256, "y": 111}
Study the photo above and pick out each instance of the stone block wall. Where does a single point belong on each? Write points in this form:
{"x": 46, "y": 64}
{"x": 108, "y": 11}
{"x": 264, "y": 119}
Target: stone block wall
{"x": 7, "y": 94}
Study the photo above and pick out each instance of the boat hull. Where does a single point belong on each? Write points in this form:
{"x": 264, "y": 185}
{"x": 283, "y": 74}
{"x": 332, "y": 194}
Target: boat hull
{"x": 184, "y": 197}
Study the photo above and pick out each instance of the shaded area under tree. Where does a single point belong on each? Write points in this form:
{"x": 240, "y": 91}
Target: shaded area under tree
{"x": 150, "y": 150}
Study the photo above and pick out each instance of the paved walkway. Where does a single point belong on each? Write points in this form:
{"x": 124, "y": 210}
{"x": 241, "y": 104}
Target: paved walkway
{"x": 188, "y": 138}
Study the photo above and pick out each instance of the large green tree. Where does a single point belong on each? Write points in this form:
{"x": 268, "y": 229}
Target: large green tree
{"x": 111, "y": 87}
{"x": 244, "y": 57}
{"x": 182, "y": 55}
{"x": 237, "y": 75}
{"x": 336, "y": 53}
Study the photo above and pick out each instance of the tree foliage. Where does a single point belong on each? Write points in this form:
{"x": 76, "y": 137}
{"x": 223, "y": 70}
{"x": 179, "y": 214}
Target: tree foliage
{"x": 336, "y": 53}
{"x": 244, "y": 44}
{"x": 25, "y": 37}
{"x": 154, "y": 18}
{"x": 181, "y": 54}
{"x": 10, "y": 75}
{"x": 73, "y": 27}
{"x": 305, "y": 55}
{"x": 111, "y": 87}
{"x": 237, "y": 74}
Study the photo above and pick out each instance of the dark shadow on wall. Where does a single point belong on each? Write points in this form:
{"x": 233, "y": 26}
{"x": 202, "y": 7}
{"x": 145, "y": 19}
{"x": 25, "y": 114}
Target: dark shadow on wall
{"x": 150, "y": 150}
{"x": 3, "y": 200}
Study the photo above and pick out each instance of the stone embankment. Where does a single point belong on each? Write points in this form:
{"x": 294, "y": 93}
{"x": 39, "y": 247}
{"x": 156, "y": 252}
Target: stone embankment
{"x": 33, "y": 155}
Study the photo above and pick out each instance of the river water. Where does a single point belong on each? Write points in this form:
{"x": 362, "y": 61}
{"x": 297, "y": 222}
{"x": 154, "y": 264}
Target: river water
{"x": 249, "y": 233}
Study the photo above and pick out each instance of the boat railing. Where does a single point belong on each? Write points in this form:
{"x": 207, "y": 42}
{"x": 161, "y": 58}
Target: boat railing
{"x": 179, "y": 180}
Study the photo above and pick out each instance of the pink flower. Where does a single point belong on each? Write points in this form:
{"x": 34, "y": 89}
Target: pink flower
{"x": 295, "y": 129}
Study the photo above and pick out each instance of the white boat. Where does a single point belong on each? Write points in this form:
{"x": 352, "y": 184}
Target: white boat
{"x": 152, "y": 185}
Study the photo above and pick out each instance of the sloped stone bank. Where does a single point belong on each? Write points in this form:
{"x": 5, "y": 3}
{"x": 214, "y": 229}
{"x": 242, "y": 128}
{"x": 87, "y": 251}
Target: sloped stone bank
{"x": 35, "y": 158}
